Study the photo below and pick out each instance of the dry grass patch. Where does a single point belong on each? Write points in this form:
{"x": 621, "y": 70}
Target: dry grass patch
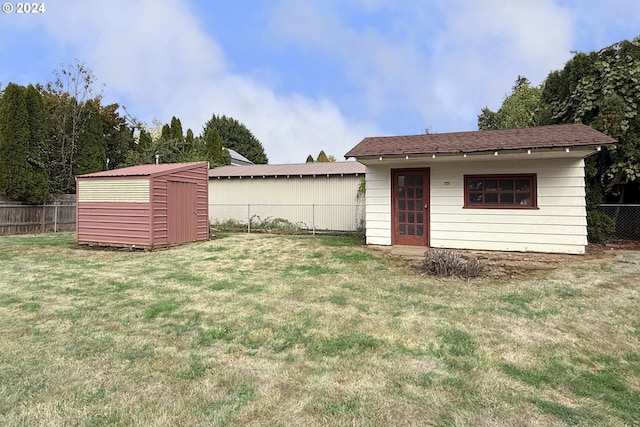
{"x": 315, "y": 331}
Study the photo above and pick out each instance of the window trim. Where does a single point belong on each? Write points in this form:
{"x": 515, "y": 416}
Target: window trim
{"x": 533, "y": 191}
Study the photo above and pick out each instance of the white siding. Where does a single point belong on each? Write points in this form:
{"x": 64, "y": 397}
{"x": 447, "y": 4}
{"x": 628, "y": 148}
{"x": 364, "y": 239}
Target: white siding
{"x": 328, "y": 203}
{"x": 558, "y": 225}
{"x": 378, "y": 208}
{"x": 113, "y": 190}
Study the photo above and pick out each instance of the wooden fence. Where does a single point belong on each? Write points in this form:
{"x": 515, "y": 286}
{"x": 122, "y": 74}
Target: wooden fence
{"x": 24, "y": 219}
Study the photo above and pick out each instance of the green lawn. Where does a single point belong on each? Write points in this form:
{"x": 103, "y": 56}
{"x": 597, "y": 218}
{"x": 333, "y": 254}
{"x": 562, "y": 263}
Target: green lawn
{"x": 265, "y": 330}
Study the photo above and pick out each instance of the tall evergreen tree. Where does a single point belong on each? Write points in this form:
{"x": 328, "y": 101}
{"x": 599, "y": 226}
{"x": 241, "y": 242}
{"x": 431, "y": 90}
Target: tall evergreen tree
{"x": 322, "y": 157}
{"x": 309, "y": 159}
{"x": 22, "y": 146}
{"x": 236, "y": 136}
{"x": 91, "y": 154}
{"x": 175, "y": 129}
{"x": 38, "y": 151}
{"x": 118, "y": 136}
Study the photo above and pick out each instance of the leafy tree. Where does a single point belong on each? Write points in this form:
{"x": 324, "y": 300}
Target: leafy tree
{"x": 23, "y": 150}
{"x": 602, "y": 89}
{"x": 322, "y": 157}
{"x": 309, "y": 159}
{"x": 521, "y": 109}
{"x": 236, "y": 136}
{"x": 65, "y": 100}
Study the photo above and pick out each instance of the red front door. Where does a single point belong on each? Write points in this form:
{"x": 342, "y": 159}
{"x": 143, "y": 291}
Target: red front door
{"x": 410, "y": 207}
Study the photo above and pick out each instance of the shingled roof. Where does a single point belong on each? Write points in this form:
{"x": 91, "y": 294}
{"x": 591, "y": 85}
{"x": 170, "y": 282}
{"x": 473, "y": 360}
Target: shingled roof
{"x": 562, "y": 136}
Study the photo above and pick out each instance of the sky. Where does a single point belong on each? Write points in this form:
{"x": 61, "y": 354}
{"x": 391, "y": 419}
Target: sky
{"x": 309, "y": 75}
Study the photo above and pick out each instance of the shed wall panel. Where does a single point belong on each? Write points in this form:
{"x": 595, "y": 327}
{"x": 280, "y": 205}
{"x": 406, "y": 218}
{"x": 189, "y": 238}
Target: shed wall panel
{"x": 113, "y": 223}
{"x": 113, "y": 190}
{"x": 197, "y": 175}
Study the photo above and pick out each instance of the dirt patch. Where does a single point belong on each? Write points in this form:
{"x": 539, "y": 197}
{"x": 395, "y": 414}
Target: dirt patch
{"x": 506, "y": 265}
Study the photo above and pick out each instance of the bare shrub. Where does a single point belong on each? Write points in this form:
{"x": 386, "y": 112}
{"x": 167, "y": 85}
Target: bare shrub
{"x": 445, "y": 262}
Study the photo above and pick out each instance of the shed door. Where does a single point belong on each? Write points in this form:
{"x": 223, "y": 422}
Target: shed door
{"x": 182, "y": 212}
{"x": 410, "y": 207}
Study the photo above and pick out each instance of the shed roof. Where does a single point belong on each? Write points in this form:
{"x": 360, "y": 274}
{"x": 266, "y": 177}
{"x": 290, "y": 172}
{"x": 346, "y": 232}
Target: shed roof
{"x": 143, "y": 170}
{"x": 553, "y": 136}
{"x": 299, "y": 169}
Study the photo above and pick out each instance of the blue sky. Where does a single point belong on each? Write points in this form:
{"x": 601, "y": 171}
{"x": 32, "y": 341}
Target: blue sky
{"x": 310, "y": 75}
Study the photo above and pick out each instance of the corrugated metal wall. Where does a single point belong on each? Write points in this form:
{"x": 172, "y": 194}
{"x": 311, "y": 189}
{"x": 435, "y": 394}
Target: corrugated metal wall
{"x": 113, "y": 223}
{"x": 127, "y": 211}
{"x": 326, "y": 202}
{"x": 195, "y": 175}
{"x": 114, "y": 190}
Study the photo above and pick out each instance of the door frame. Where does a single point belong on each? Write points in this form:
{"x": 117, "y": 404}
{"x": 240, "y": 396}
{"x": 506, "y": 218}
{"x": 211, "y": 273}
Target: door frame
{"x": 426, "y": 241}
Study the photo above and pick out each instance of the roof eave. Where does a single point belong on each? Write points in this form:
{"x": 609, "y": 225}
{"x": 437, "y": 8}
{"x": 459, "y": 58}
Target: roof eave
{"x": 588, "y": 150}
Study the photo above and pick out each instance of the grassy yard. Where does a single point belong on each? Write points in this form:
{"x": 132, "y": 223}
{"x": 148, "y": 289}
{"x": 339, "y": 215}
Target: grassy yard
{"x": 262, "y": 330}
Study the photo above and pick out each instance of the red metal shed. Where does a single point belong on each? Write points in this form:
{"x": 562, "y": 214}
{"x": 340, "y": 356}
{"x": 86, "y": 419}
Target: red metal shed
{"x": 145, "y": 206}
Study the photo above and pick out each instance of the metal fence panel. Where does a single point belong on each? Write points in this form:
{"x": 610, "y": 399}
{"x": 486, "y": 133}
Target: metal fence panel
{"x": 309, "y": 217}
{"x": 626, "y": 219}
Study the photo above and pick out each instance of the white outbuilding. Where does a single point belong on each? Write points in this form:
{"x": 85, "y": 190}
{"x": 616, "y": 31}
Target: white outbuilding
{"x": 508, "y": 190}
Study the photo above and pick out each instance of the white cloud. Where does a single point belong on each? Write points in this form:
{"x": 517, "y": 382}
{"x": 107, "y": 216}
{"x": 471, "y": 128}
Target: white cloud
{"x": 156, "y": 60}
{"x": 407, "y": 65}
{"x": 444, "y": 61}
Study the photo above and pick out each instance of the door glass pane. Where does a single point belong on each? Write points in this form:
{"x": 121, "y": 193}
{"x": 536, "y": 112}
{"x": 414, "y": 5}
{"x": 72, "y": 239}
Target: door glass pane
{"x": 410, "y": 192}
{"x": 402, "y": 229}
{"x": 419, "y": 192}
{"x": 402, "y": 205}
{"x": 409, "y": 180}
{"x": 400, "y": 181}
{"x": 402, "y": 217}
{"x": 419, "y": 181}
{"x": 411, "y": 230}
{"x": 419, "y": 218}
{"x": 410, "y": 205}
{"x": 420, "y": 230}
{"x": 411, "y": 217}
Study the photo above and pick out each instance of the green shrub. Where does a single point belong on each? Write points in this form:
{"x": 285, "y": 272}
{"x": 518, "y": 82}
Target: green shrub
{"x": 599, "y": 226}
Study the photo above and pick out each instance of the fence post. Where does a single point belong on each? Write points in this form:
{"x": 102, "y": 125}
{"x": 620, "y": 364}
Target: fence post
{"x": 55, "y": 218}
{"x": 43, "y": 218}
{"x": 313, "y": 219}
{"x": 248, "y": 218}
